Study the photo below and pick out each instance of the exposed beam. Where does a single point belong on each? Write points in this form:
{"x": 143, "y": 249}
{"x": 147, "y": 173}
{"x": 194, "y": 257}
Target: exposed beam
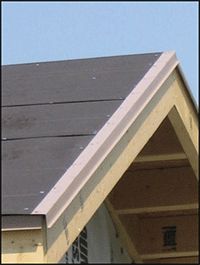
{"x": 123, "y": 235}
{"x": 184, "y": 137}
{"x": 185, "y": 123}
{"x": 163, "y": 157}
{"x": 170, "y": 255}
{"x": 155, "y": 187}
{"x": 183, "y": 207}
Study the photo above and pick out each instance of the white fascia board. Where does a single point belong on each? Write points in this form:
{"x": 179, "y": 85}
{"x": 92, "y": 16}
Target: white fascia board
{"x": 72, "y": 181}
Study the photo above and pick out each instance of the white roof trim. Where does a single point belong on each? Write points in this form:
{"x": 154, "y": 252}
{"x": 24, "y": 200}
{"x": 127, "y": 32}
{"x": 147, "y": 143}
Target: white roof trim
{"x": 65, "y": 190}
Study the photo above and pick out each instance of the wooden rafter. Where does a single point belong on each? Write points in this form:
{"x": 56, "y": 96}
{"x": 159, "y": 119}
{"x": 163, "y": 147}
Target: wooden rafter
{"x": 123, "y": 235}
{"x": 163, "y": 157}
{"x": 191, "y": 150}
{"x": 170, "y": 255}
{"x": 158, "y": 209}
{"x": 185, "y": 123}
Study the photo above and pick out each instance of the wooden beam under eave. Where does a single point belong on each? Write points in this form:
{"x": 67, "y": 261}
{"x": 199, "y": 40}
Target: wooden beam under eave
{"x": 174, "y": 260}
{"x": 185, "y": 139}
{"x": 168, "y": 208}
{"x": 155, "y": 188}
{"x": 123, "y": 235}
{"x": 184, "y": 120}
{"x": 161, "y": 157}
{"x": 170, "y": 255}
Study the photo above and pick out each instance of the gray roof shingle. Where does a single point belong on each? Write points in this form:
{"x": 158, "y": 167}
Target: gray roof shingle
{"x": 51, "y": 111}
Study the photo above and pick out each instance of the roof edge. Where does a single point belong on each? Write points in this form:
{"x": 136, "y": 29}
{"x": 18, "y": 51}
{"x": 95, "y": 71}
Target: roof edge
{"x": 21, "y": 222}
{"x": 188, "y": 88}
{"x": 77, "y": 59}
{"x": 65, "y": 190}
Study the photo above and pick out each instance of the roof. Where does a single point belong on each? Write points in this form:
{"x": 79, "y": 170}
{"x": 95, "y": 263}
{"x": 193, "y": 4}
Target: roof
{"x": 55, "y": 112}
{"x": 51, "y": 111}
{"x": 120, "y": 131}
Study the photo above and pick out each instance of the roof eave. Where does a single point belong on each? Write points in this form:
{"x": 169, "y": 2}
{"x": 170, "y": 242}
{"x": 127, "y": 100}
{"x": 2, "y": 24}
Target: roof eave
{"x": 21, "y": 222}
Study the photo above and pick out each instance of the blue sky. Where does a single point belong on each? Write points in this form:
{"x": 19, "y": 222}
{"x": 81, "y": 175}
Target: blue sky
{"x": 48, "y": 31}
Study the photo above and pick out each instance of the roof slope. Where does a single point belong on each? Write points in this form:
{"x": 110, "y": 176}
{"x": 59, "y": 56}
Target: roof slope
{"x": 51, "y": 111}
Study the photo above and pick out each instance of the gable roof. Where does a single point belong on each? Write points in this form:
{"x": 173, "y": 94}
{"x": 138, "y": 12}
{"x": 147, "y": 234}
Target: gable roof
{"x": 64, "y": 151}
{"x": 61, "y": 119}
{"x": 51, "y": 111}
